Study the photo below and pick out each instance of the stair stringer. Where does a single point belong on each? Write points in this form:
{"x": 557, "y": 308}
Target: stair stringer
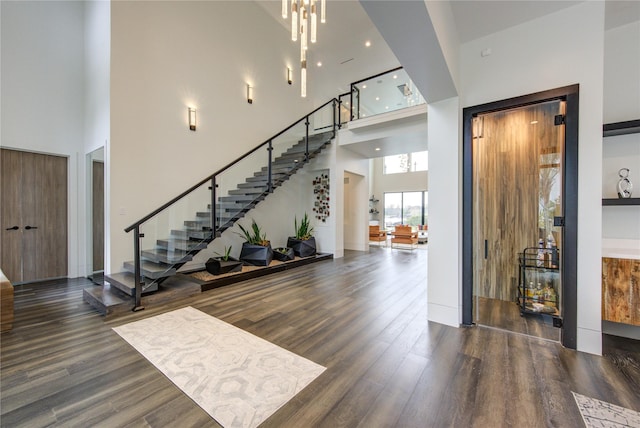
{"x": 188, "y": 263}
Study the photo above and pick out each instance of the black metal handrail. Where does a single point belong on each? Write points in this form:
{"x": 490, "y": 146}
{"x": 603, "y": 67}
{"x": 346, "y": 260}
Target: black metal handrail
{"x": 221, "y": 170}
{"x": 377, "y": 75}
{"x": 212, "y": 178}
{"x": 135, "y": 227}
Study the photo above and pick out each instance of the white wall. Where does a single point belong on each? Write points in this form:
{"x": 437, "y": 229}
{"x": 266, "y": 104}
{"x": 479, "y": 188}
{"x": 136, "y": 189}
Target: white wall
{"x": 96, "y": 73}
{"x": 43, "y": 93}
{"x": 97, "y": 36}
{"x": 621, "y": 103}
{"x": 560, "y": 49}
{"x": 622, "y": 73}
{"x": 445, "y": 208}
{"x": 166, "y": 56}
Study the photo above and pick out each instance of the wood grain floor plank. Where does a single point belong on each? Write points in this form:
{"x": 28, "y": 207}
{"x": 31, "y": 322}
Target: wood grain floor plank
{"x": 363, "y": 317}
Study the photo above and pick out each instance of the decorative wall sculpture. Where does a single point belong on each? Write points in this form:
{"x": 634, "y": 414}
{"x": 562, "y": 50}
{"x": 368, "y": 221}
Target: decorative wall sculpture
{"x": 321, "y": 191}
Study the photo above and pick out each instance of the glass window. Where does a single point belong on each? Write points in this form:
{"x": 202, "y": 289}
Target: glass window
{"x": 408, "y": 162}
{"x": 392, "y": 210}
{"x": 412, "y": 208}
{"x": 409, "y": 208}
{"x": 420, "y": 161}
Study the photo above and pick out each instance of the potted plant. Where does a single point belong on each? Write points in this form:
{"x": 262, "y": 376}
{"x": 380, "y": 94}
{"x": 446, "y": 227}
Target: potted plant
{"x": 303, "y": 243}
{"x": 283, "y": 254}
{"x": 223, "y": 264}
{"x": 256, "y": 250}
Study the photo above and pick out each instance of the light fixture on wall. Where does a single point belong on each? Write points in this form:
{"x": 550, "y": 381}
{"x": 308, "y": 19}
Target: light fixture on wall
{"x": 289, "y": 75}
{"x": 304, "y": 22}
{"x": 192, "y": 118}
{"x": 249, "y": 94}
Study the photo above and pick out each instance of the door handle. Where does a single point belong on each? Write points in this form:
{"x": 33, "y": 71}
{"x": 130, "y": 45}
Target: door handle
{"x": 30, "y": 227}
{"x": 486, "y": 249}
{"x": 12, "y": 228}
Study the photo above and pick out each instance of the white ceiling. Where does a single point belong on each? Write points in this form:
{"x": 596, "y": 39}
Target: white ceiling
{"x": 345, "y": 58}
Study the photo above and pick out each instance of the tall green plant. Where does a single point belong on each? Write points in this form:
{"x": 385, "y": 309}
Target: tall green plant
{"x": 254, "y": 235}
{"x": 304, "y": 231}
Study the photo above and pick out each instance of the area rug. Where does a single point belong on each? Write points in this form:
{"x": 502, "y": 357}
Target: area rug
{"x": 237, "y": 378}
{"x": 600, "y": 414}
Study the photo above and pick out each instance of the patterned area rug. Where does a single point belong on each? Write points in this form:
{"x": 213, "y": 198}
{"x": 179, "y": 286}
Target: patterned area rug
{"x": 600, "y": 414}
{"x": 237, "y": 378}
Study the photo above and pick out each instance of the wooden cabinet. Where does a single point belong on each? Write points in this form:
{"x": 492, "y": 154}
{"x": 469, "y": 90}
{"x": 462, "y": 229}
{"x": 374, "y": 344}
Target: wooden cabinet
{"x": 33, "y": 216}
{"x": 621, "y": 290}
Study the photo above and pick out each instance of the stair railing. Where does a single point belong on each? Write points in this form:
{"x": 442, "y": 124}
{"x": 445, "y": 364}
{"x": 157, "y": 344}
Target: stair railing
{"x": 287, "y": 151}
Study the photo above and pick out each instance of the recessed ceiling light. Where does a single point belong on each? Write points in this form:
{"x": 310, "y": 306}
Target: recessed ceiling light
{"x": 395, "y": 76}
{"x": 347, "y": 103}
{"x": 319, "y": 64}
{"x": 386, "y": 107}
{"x": 364, "y": 86}
{"x": 377, "y": 149}
{"x": 377, "y": 98}
{"x": 367, "y": 43}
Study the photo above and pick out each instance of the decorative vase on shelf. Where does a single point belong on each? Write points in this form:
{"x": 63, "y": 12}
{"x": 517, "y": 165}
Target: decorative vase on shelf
{"x": 624, "y": 184}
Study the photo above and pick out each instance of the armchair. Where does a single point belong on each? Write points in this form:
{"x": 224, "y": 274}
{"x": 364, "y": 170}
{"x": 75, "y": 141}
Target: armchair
{"x": 377, "y": 235}
{"x": 404, "y": 235}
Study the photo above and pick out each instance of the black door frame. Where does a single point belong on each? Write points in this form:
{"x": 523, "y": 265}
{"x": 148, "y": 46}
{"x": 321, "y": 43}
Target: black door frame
{"x": 570, "y": 94}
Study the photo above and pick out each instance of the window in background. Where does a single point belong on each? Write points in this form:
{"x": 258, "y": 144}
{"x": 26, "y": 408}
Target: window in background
{"x": 412, "y": 208}
{"x": 392, "y": 210}
{"x": 409, "y": 208}
{"x": 409, "y": 162}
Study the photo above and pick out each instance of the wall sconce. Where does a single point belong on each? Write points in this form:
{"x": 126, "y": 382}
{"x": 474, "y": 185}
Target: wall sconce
{"x": 192, "y": 118}
{"x": 289, "y": 75}
{"x": 249, "y": 94}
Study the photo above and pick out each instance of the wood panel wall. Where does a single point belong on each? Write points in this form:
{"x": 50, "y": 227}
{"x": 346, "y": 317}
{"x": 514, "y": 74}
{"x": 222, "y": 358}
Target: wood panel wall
{"x": 621, "y": 290}
{"x": 506, "y": 192}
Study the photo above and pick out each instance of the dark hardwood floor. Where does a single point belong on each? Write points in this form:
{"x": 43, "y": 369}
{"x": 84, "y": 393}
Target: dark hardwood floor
{"x": 506, "y": 315}
{"x": 362, "y": 316}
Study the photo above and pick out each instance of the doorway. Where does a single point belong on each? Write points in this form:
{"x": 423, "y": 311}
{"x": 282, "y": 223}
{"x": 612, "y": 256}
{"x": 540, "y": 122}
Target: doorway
{"x": 95, "y": 208}
{"x": 519, "y": 221}
{"x": 355, "y": 230}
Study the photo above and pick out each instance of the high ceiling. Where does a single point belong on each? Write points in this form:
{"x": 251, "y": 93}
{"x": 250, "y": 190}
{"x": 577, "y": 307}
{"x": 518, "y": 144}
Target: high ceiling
{"x": 345, "y": 58}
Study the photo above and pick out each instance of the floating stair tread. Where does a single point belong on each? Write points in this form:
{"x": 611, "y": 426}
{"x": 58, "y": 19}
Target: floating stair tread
{"x": 169, "y": 257}
{"x": 181, "y": 244}
{"x": 191, "y": 233}
{"x": 107, "y": 300}
{"x": 125, "y": 282}
{"x": 150, "y": 270}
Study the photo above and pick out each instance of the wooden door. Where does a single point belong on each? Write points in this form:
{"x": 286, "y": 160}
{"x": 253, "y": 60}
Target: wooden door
{"x": 97, "y": 195}
{"x": 517, "y": 161}
{"x": 11, "y": 214}
{"x": 34, "y": 198}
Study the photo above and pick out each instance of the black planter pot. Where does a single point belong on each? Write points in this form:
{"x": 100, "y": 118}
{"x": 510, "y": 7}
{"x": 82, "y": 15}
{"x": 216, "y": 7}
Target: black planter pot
{"x": 256, "y": 255}
{"x": 285, "y": 256}
{"x": 216, "y": 266}
{"x": 301, "y": 248}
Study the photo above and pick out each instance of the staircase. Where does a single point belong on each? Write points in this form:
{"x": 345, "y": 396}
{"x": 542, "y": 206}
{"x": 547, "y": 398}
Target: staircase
{"x": 170, "y": 253}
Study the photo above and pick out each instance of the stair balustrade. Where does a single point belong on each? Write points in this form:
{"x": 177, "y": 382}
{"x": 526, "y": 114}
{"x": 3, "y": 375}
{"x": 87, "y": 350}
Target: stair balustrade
{"x": 169, "y": 236}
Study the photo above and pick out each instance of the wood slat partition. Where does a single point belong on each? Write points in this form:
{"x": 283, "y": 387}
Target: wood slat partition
{"x": 512, "y": 179}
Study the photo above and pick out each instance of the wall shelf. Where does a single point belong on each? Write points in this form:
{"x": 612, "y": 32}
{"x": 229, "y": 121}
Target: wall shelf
{"x": 621, "y": 128}
{"x": 620, "y": 201}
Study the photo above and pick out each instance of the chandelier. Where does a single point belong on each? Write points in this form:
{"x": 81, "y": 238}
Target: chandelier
{"x": 305, "y": 11}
